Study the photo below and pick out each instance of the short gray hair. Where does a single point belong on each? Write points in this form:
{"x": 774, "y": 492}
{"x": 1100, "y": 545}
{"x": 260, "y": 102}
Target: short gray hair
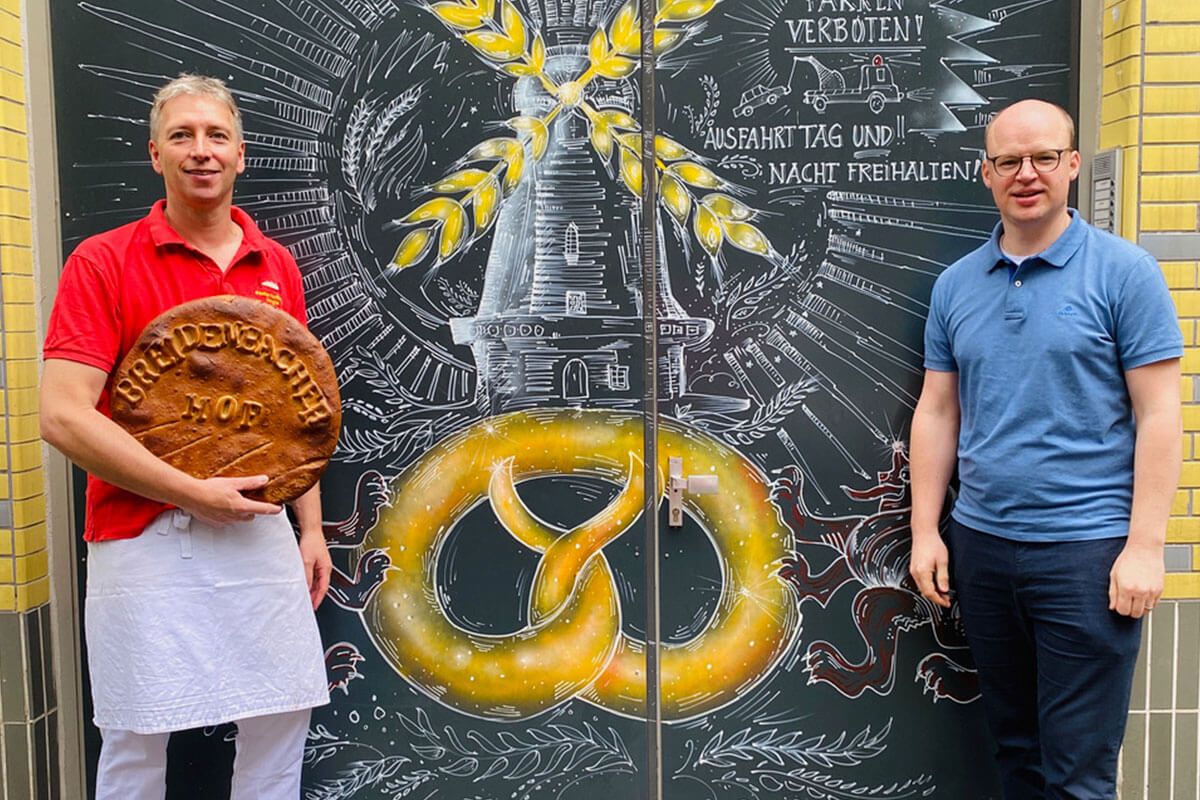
{"x": 192, "y": 84}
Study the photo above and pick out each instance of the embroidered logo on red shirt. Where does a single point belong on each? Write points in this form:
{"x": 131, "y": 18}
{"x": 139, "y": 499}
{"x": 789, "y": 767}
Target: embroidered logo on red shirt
{"x": 268, "y": 292}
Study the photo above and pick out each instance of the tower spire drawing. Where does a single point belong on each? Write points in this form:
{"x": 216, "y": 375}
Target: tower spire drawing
{"x": 562, "y": 285}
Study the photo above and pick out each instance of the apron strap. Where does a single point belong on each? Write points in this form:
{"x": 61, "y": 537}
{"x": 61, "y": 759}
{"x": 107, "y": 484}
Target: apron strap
{"x": 182, "y": 522}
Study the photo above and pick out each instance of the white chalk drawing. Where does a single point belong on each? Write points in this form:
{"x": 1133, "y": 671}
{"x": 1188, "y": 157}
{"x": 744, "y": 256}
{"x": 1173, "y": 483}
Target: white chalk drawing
{"x": 459, "y": 182}
{"x": 541, "y": 759}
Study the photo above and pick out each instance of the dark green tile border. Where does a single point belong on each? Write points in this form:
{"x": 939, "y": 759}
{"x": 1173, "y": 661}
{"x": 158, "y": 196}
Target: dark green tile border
{"x": 1187, "y": 692}
{"x": 16, "y": 760}
{"x": 52, "y": 750}
{"x": 36, "y": 668}
{"x": 13, "y": 706}
{"x": 1186, "y": 737}
{"x": 1161, "y": 756}
{"x": 1137, "y": 700}
{"x": 48, "y": 658}
{"x": 1162, "y": 657}
{"x": 41, "y": 760}
{"x": 1133, "y": 774}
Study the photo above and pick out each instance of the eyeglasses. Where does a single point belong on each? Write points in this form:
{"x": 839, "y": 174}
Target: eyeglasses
{"x": 1043, "y": 162}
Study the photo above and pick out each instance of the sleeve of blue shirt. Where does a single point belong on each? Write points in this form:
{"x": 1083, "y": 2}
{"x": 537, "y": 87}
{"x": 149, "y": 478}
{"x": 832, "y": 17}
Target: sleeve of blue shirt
{"x": 938, "y": 355}
{"x": 1144, "y": 315}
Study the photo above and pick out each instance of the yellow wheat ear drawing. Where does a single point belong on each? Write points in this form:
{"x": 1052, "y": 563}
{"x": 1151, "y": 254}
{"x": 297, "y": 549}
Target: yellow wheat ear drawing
{"x": 504, "y": 41}
{"x": 718, "y": 217}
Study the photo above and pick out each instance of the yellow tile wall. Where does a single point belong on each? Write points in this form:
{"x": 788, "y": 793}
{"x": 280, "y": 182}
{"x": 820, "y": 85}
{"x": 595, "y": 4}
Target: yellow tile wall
{"x": 24, "y": 558}
{"x": 1151, "y": 108}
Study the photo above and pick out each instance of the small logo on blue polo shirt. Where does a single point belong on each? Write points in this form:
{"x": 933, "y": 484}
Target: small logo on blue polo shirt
{"x": 1067, "y": 311}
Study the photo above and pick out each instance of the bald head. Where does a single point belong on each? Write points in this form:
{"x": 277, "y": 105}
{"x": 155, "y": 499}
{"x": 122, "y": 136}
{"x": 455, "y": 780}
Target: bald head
{"x": 1025, "y": 111}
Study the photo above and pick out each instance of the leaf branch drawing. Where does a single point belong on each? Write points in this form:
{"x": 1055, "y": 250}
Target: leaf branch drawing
{"x": 535, "y": 754}
{"x": 360, "y": 775}
{"x": 819, "y": 786}
{"x": 743, "y": 298}
{"x": 792, "y": 748}
{"x": 405, "y": 785}
{"x": 699, "y": 120}
{"x": 396, "y": 445}
{"x": 768, "y": 418}
{"x": 772, "y": 761}
{"x": 401, "y": 424}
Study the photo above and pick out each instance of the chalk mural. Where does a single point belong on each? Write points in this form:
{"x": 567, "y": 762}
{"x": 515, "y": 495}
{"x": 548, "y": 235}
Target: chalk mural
{"x": 460, "y": 182}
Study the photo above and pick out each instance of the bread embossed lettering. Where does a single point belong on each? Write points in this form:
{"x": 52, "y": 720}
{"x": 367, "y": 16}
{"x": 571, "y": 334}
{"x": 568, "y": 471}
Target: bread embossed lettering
{"x": 168, "y": 351}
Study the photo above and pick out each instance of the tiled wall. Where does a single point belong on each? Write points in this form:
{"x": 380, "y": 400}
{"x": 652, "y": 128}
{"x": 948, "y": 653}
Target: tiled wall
{"x": 1162, "y": 745}
{"x": 28, "y": 705}
{"x": 24, "y": 575}
{"x": 1151, "y": 110}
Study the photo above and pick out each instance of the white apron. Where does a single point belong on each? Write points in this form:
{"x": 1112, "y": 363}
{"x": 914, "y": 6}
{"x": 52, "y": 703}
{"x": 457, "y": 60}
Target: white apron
{"x": 190, "y": 625}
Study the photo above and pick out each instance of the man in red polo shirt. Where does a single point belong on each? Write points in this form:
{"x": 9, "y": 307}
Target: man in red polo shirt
{"x": 200, "y": 602}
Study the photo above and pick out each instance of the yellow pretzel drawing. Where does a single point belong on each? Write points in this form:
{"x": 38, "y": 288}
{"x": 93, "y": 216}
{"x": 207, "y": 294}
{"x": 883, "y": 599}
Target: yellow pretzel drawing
{"x": 573, "y": 645}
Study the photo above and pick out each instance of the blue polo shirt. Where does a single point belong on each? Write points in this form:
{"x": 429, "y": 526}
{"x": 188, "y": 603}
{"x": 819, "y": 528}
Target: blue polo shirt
{"x": 1045, "y": 447}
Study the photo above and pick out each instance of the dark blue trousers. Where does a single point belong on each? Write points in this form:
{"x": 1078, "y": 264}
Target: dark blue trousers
{"x": 1055, "y": 665}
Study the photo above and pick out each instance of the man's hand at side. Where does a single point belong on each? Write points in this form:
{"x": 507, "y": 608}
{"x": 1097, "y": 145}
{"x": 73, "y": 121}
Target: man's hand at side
{"x": 1136, "y": 580}
{"x": 930, "y": 568}
{"x": 317, "y": 564}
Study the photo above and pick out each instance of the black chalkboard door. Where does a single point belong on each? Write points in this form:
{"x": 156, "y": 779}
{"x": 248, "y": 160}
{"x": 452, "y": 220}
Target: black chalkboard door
{"x": 461, "y": 183}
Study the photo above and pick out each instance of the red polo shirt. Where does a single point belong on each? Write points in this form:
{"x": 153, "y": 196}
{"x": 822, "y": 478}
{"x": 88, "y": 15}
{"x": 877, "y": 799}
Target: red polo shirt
{"x": 115, "y": 283}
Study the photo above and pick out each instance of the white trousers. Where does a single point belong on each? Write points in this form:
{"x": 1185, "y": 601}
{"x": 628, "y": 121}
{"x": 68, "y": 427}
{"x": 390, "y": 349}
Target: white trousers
{"x": 270, "y": 751}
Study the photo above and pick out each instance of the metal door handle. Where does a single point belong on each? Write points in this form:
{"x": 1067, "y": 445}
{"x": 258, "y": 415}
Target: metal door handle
{"x": 677, "y": 484}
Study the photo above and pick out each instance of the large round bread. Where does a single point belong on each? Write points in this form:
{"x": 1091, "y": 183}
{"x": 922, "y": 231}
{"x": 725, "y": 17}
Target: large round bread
{"x": 229, "y": 386}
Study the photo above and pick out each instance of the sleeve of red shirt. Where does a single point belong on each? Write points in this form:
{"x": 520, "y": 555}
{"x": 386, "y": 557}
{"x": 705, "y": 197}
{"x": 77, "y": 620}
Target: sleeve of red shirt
{"x": 295, "y": 294}
{"x": 85, "y": 323}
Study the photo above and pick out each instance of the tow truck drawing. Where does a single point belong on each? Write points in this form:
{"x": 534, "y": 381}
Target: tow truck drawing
{"x": 759, "y": 95}
{"x": 876, "y": 86}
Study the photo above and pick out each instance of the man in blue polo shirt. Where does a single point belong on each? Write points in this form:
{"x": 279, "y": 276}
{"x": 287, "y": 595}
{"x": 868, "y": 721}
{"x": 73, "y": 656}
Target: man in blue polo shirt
{"x": 1052, "y": 383}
